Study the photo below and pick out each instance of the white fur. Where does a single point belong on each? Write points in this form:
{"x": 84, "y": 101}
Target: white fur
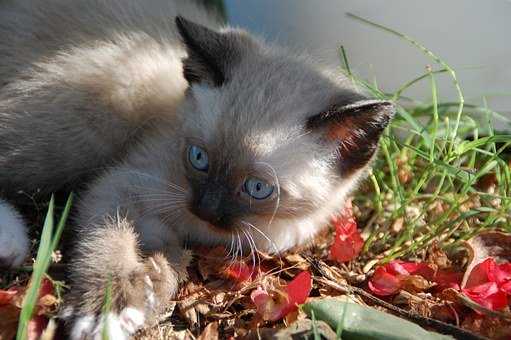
{"x": 14, "y": 243}
{"x": 117, "y": 327}
{"x": 111, "y": 326}
{"x": 131, "y": 319}
{"x": 82, "y": 327}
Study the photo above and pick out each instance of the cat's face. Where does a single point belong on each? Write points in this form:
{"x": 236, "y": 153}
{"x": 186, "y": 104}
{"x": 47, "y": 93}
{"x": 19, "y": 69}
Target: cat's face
{"x": 272, "y": 145}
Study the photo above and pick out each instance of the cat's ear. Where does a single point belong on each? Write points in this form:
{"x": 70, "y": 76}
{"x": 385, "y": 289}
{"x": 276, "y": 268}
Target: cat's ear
{"x": 211, "y": 54}
{"x": 355, "y": 129}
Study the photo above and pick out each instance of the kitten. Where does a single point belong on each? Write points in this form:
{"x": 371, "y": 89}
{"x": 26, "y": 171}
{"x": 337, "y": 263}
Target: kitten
{"x": 218, "y": 138}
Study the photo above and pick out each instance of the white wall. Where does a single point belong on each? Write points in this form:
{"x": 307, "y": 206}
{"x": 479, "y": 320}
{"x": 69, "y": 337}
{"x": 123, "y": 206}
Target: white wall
{"x": 473, "y": 34}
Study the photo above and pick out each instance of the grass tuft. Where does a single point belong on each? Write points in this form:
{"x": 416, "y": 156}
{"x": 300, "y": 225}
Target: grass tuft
{"x": 47, "y": 245}
{"x": 443, "y": 173}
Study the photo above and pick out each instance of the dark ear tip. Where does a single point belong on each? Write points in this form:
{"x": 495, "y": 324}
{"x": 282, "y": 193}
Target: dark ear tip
{"x": 189, "y": 30}
{"x": 179, "y": 20}
{"x": 180, "y": 23}
{"x": 185, "y": 27}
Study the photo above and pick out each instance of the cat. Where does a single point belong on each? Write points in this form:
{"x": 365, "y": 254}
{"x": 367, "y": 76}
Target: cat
{"x": 196, "y": 133}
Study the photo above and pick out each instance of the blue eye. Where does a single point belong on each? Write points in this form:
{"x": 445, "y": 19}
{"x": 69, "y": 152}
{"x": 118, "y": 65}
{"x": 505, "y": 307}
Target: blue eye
{"x": 198, "y": 158}
{"x": 257, "y": 188}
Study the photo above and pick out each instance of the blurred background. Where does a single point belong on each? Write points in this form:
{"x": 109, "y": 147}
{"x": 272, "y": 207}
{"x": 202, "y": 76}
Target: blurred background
{"x": 472, "y": 36}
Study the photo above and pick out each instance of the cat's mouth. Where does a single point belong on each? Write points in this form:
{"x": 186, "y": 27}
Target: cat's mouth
{"x": 214, "y": 221}
{"x": 217, "y": 229}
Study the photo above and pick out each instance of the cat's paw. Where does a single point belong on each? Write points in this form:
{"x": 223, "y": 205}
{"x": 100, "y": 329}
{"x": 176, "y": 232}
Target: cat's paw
{"x": 14, "y": 243}
{"x": 136, "y": 303}
{"x": 115, "y": 326}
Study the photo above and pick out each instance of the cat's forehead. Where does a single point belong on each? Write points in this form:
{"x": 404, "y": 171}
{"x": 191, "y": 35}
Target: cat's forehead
{"x": 264, "y": 94}
{"x": 258, "y": 127}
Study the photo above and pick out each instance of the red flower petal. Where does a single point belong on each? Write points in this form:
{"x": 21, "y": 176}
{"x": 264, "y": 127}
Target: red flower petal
{"x": 506, "y": 287}
{"x": 487, "y": 295}
{"x": 299, "y": 288}
{"x": 501, "y": 274}
{"x": 447, "y": 279}
{"x": 480, "y": 273}
{"x": 347, "y": 242}
{"x": 383, "y": 283}
{"x": 266, "y": 306}
{"x": 239, "y": 271}
{"x": 296, "y": 292}
{"x": 45, "y": 288}
{"x": 396, "y": 268}
{"x": 388, "y": 279}
{"x": 36, "y": 326}
{"x": 420, "y": 268}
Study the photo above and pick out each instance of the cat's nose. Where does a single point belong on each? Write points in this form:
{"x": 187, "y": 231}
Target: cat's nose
{"x": 209, "y": 207}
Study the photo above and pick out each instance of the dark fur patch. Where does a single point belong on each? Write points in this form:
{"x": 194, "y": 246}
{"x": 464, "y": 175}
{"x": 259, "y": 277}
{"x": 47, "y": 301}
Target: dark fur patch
{"x": 355, "y": 128}
{"x": 211, "y": 54}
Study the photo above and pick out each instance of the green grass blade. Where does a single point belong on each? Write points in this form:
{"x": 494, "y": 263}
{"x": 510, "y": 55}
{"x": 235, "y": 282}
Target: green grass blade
{"x": 62, "y": 222}
{"x": 40, "y": 267}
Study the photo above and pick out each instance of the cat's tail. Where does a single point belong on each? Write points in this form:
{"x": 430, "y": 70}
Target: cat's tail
{"x": 14, "y": 242}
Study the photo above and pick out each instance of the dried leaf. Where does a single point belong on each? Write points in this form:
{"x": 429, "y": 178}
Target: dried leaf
{"x": 297, "y": 261}
{"x": 190, "y": 303}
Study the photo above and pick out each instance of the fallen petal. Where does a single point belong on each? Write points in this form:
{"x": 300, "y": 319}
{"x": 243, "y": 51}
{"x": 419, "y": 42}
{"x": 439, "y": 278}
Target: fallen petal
{"x": 299, "y": 288}
{"x": 447, "y": 279}
{"x": 501, "y": 274}
{"x": 383, "y": 283}
{"x": 347, "y": 241}
{"x": 273, "y": 308}
{"x": 239, "y": 272}
{"x": 481, "y": 273}
{"x": 487, "y": 295}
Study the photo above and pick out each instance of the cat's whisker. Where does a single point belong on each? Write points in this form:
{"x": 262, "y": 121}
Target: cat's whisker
{"x": 231, "y": 248}
{"x": 160, "y": 194}
{"x": 166, "y": 183}
{"x": 234, "y": 254}
{"x": 147, "y": 190}
{"x": 161, "y": 202}
{"x": 240, "y": 248}
{"x": 162, "y": 209}
{"x": 255, "y": 249}
{"x": 169, "y": 200}
{"x": 252, "y": 250}
{"x": 272, "y": 243}
{"x": 170, "y": 218}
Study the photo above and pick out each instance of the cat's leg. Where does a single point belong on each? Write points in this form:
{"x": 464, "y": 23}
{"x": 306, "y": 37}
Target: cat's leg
{"x": 14, "y": 243}
{"x": 108, "y": 259}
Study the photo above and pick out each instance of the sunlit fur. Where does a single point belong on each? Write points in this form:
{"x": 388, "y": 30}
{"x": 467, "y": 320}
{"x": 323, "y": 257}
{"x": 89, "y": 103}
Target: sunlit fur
{"x": 79, "y": 82}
